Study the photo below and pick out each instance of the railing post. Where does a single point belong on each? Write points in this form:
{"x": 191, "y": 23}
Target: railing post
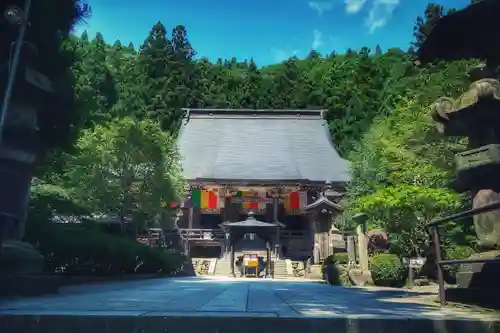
{"x": 437, "y": 249}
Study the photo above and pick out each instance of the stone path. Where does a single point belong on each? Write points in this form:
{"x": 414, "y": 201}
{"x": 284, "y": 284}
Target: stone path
{"x": 189, "y": 300}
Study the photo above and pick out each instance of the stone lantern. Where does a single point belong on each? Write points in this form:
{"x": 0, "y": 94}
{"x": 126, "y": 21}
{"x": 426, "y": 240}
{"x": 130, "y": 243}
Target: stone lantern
{"x": 471, "y": 34}
{"x": 22, "y": 93}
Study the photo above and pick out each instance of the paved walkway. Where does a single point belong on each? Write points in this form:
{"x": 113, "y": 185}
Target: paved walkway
{"x": 227, "y": 297}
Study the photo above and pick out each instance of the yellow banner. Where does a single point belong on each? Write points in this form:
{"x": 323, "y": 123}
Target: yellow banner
{"x": 204, "y": 199}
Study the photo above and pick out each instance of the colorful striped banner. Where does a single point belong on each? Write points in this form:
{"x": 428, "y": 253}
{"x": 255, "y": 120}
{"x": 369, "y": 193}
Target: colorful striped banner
{"x": 205, "y": 199}
{"x": 295, "y": 201}
{"x": 248, "y": 200}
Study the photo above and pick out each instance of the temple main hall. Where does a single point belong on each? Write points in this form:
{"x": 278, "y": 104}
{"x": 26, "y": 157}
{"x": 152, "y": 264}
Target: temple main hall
{"x": 250, "y": 170}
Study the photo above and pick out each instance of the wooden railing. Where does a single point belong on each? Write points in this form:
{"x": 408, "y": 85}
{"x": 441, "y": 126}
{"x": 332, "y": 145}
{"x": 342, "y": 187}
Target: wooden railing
{"x": 202, "y": 234}
{"x": 215, "y": 234}
{"x": 297, "y": 241}
{"x": 433, "y": 228}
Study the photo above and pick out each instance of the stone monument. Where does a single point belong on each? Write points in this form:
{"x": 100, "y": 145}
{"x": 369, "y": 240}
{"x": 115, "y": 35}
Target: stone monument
{"x": 470, "y": 33}
{"x": 475, "y": 115}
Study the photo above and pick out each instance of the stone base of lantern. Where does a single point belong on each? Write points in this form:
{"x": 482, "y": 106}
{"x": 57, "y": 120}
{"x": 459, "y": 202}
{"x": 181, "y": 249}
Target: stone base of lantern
{"x": 480, "y": 275}
{"x": 21, "y": 267}
{"x": 477, "y": 283}
{"x": 475, "y": 296}
{"x": 18, "y": 257}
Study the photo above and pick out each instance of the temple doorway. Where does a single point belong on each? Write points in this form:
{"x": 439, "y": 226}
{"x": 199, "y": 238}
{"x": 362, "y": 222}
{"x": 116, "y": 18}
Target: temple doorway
{"x": 205, "y": 252}
{"x": 210, "y": 221}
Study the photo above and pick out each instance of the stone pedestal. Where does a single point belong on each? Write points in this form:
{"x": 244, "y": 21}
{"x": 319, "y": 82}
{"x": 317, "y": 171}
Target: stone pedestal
{"x": 15, "y": 177}
{"x": 18, "y": 152}
{"x": 20, "y": 258}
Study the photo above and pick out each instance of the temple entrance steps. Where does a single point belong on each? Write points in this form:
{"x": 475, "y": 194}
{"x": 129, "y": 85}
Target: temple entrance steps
{"x": 223, "y": 268}
{"x": 260, "y": 253}
{"x": 280, "y": 269}
{"x": 204, "y": 266}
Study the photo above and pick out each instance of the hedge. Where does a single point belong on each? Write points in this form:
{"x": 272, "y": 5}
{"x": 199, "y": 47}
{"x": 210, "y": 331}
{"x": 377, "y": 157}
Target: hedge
{"x": 71, "y": 249}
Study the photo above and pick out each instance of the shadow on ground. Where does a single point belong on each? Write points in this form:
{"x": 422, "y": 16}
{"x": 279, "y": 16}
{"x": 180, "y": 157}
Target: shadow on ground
{"x": 191, "y": 304}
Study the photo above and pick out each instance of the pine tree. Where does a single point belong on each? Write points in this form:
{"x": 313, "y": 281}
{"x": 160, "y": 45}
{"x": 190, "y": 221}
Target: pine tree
{"x": 424, "y": 24}
{"x": 285, "y": 84}
{"x": 252, "y": 87}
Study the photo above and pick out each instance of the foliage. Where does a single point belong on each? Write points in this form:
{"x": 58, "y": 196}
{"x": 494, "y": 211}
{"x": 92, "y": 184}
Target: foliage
{"x": 455, "y": 252}
{"x": 71, "y": 249}
{"x": 342, "y": 258}
{"x": 403, "y": 211}
{"x": 400, "y": 179}
{"x": 387, "y": 270}
{"x": 125, "y": 167}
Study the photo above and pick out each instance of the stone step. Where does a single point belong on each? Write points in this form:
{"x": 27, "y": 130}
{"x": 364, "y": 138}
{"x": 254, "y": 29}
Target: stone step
{"x": 223, "y": 268}
{"x": 232, "y": 322}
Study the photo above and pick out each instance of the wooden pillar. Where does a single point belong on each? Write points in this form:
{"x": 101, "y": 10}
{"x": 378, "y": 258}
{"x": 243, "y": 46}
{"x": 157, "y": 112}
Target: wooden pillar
{"x": 227, "y": 209}
{"x": 227, "y": 205}
{"x": 275, "y": 207}
{"x": 268, "y": 259}
{"x": 275, "y": 218}
{"x": 231, "y": 257}
{"x": 191, "y": 215}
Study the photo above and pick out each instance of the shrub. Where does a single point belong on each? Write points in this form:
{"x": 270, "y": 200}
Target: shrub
{"x": 342, "y": 258}
{"x": 387, "y": 270}
{"x": 455, "y": 252}
{"x": 71, "y": 249}
{"x": 458, "y": 252}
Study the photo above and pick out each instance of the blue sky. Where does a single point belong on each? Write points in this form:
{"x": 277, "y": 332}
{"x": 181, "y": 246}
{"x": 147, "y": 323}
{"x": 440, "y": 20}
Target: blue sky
{"x": 269, "y": 31}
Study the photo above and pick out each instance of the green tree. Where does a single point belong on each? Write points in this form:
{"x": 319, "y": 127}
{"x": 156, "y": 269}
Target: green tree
{"x": 426, "y": 23}
{"x": 252, "y": 87}
{"x": 403, "y": 211}
{"x": 125, "y": 168}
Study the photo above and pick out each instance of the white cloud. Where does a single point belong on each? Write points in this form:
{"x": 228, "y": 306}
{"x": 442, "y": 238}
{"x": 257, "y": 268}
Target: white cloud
{"x": 354, "y": 6}
{"x": 317, "y": 39}
{"x": 380, "y": 13}
{"x": 320, "y": 6}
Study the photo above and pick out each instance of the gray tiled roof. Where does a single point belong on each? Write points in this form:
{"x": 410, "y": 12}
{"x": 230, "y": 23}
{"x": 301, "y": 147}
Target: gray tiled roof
{"x": 259, "y": 145}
